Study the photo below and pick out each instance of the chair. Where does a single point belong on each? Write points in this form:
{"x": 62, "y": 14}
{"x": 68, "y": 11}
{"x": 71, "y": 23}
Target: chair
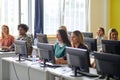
{"x": 42, "y": 38}
{"x": 91, "y": 43}
{"x": 108, "y": 65}
{"x": 87, "y": 34}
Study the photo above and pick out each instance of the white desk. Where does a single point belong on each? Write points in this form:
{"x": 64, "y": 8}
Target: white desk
{"x": 64, "y": 73}
{"x": 25, "y": 70}
{"x": 4, "y": 54}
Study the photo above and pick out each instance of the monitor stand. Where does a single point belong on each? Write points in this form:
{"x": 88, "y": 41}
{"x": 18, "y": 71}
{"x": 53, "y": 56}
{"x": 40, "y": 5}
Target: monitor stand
{"x": 19, "y": 58}
{"x": 75, "y": 72}
{"x": 44, "y": 63}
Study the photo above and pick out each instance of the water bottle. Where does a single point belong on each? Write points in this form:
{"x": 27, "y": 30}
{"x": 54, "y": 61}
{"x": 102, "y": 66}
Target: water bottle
{"x": 34, "y": 55}
{"x": 35, "y": 42}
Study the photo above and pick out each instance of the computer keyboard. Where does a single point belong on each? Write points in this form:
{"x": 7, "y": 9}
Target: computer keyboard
{"x": 51, "y": 65}
{"x": 88, "y": 74}
{"x": 4, "y": 50}
{"x": 31, "y": 59}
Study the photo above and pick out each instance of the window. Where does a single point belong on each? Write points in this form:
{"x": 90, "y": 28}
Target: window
{"x": 51, "y": 16}
{"x": 14, "y": 12}
{"x": 75, "y": 15}
{"x": 71, "y": 13}
{"x": 9, "y": 15}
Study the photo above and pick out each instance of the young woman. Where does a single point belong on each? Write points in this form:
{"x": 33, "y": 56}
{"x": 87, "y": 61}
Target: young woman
{"x": 77, "y": 40}
{"x": 6, "y": 40}
{"x": 112, "y": 34}
{"x": 23, "y": 28}
{"x": 63, "y": 41}
{"x": 100, "y": 35}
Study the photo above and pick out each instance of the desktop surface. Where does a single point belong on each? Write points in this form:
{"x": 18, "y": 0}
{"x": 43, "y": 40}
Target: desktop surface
{"x": 64, "y": 72}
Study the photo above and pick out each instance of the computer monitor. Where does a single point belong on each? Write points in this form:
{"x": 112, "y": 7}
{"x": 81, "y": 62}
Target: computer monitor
{"x": 91, "y": 43}
{"x": 42, "y": 38}
{"x": 21, "y": 48}
{"x": 78, "y": 59}
{"x": 46, "y": 52}
{"x": 87, "y": 34}
{"x": 107, "y": 64}
{"x": 111, "y": 46}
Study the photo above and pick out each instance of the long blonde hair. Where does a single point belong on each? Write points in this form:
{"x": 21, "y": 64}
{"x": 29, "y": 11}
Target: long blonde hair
{"x": 79, "y": 36}
{"x": 7, "y": 30}
{"x": 63, "y": 27}
{"x": 110, "y": 31}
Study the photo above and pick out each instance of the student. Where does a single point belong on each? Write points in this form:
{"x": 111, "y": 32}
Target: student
{"x": 23, "y": 28}
{"x": 100, "y": 35}
{"x": 6, "y": 40}
{"x": 77, "y": 40}
{"x": 65, "y": 29}
{"x": 112, "y": 34}
{"x": 59, "y": 47}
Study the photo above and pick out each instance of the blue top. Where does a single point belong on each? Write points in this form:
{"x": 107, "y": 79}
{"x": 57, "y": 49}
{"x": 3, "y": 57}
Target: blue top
{"x": 59, "y": 50}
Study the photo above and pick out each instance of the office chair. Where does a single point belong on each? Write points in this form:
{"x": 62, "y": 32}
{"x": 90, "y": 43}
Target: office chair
{"x": 108, "y": 65}
{"x": 91, "y": 43}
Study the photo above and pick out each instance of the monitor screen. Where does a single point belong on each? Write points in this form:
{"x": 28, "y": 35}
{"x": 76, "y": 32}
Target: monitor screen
{"x": 110, "y": 46}
{"x": 88, "y": 34}
{"x": 91, "y": 43}
{"x": 21, "y": 48}
{"x": 42, "y": 38}
{"x": 107, "y": 64}
{"x": 78, "y": 59}
{"x": 46, "y": 52}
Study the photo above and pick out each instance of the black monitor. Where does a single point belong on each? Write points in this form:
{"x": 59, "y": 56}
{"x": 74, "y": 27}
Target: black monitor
{"x": 87, "y": 34}
{"x": 108, "y": 64}
{"x": 42, "y": 38}
{"x": 111, "y": 46}
{"x": 91, "y": 43}
{"x": 78, "y": 59}
{"x": 21, "y": 48}
{"x": 46, "y": 52}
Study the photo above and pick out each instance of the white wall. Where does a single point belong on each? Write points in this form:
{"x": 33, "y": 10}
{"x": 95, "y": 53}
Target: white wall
{"x": 99, "y": 14}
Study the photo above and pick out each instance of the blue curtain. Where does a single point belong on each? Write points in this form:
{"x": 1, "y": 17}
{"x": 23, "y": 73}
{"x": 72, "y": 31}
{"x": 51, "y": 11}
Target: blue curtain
{"x": 38, "y": 24}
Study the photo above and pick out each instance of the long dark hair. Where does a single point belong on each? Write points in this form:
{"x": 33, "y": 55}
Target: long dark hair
{"x": 64, "y": 37}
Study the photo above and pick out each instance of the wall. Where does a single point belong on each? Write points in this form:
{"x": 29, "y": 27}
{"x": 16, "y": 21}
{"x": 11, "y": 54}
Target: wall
{"x": 99, "y": 15}
{"x": 115, "y": 15}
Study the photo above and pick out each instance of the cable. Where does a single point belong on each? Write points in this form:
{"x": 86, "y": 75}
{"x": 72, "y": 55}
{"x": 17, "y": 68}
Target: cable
{"x": 28, "y": 73}
{"x": 15, "y": 71}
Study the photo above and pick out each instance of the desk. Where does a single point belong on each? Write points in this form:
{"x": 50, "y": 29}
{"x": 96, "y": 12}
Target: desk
{"x": 4, "y": 54}
{"x": 64, "y": 73}
{"x": 24, "y": 70}
{"x": 28, "y": 70}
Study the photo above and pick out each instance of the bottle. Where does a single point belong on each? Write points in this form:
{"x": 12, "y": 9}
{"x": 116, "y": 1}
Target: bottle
{"x": 34, "y": 55}
{"x": 35, "y": 42}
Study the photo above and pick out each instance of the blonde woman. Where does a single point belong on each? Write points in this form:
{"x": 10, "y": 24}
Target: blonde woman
{"x": 112, "y": 34}
{"x": 6, "y": 39}
{"x": 63, "y": 28}
{"x": 100, "y": 35}
{"x": 77, "y": 40}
